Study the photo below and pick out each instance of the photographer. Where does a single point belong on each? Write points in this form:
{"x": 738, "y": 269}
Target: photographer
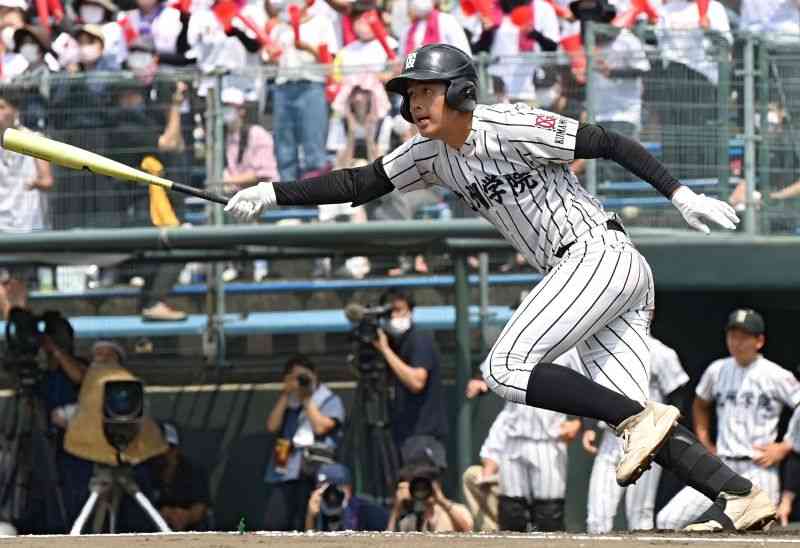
{"x": 180, "y": 486}
{"x": 65, "y": 371}
{"x": 420, "y": 504}
{"x": 306, "y": 420}
{"x": 333, "y": 507}
{"x": 418, "y": 406}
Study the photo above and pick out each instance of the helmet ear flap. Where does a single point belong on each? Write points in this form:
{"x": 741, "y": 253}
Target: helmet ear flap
{"x": 462, "y": 95}
{"x": 405, "y": 109}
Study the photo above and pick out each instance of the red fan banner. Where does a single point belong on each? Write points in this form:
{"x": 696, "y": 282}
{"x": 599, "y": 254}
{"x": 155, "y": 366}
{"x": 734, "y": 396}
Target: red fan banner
{"x": 375, "y": 23}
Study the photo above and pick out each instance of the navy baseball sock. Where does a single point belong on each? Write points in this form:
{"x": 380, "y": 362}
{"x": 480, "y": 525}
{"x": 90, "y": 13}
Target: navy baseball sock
{"x": 696, "y": 467}
{"x": 561, "y": 389}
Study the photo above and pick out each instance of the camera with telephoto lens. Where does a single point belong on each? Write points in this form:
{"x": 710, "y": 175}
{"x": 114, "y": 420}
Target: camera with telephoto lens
{"x": 366, "y": 321}
{"x": 123, "y": 409}
{"x": 421, "y": 488}
{"x": 332, "y": 504}
{"x": 24, "y": 331}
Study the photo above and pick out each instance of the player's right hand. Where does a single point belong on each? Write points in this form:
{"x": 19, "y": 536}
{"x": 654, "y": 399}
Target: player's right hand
{"x": 589, "y": 437}
{"x": 697, "y": 208}
{"x": 247, "y": 204}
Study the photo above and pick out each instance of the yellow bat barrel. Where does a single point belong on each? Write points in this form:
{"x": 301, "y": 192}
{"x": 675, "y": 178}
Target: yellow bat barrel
{"x": 32, "y": 144}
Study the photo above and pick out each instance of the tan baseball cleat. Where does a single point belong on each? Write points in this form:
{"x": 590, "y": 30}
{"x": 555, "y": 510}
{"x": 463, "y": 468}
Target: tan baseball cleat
{"x": 751, "y": 512}
{"x": 642, "y": 436}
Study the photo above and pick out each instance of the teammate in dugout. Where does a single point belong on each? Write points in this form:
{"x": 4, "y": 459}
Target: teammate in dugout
{"x": 749, "y": 393}
{"x": 509, "y": 163}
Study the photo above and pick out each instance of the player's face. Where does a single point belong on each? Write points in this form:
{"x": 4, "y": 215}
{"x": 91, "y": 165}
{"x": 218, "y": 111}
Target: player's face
{"x": 428, "y": 107}
{"x": 743, "y": 345}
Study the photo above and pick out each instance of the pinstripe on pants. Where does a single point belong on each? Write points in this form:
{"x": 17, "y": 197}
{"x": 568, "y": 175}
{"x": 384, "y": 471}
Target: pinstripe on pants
{"x": 597, "y": 299}
{"x": 534, "y": 470}
{"x": 689, "y": 504}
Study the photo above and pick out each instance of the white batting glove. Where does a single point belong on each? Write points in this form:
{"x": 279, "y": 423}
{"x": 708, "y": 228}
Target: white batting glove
{"x": 696, "y": 208}
{"x": 247, "y": 204}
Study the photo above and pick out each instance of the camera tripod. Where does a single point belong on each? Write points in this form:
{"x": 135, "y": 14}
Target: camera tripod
{"x": 369, "y": 437}
{"x": 107, "y": 486}
{"x": 27, "y": 424}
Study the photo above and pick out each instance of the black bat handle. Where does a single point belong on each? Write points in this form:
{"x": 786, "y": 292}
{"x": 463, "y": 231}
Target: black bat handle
{"x": 210, "y": 196}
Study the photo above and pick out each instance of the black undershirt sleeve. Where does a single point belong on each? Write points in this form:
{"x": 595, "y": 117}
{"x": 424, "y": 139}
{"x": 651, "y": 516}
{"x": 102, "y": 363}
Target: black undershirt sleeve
{"x": 356, "y": 185}
{"x": 792, "y": 473}
{"x": 544, "y": 42}
{"x": 593, "y": 141}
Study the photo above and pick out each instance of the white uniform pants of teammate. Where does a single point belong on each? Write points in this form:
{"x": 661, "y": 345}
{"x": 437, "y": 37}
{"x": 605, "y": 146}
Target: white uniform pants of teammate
{"x": 534, "y": 470}
{"x": 689, "y": 504}
{"x": 604, "y": 492}
{"x": 598, "y": 298}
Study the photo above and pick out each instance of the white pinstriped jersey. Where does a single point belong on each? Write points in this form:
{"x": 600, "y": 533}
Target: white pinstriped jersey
{"x": 513, "y": 171}
{"x": 666, "y": 372}
{"x": 749, "y": 401}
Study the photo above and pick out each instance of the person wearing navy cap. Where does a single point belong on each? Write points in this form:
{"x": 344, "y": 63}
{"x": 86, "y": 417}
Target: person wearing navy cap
{"x": 333, "y": 507}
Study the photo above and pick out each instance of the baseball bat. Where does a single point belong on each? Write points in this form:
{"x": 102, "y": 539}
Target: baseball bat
{"x": 32, "y": 144}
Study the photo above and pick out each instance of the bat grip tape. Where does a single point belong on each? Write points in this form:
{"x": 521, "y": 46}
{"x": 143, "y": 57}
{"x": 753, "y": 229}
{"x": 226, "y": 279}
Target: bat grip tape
{"x": 210, "y": 196}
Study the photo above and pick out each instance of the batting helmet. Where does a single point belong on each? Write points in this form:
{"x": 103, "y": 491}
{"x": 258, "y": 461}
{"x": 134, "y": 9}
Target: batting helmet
{"x": 439, "y": 62}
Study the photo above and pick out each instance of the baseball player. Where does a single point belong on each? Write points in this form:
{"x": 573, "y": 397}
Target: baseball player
{"x": 666, "y": 378}
{"x": 509, "y": 163}
{"x": 749, "y": 393}
{"x": 532, "y": 466}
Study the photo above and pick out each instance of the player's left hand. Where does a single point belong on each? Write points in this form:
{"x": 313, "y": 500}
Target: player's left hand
{"x": 697, "y": 208}
{"x": 770, "y": 454}
{"x": 248, "y": 203}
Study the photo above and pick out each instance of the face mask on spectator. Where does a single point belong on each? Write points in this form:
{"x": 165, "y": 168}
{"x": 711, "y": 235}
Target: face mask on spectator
{"x": 89, "y": 53}
{"x": 30, "y": 52}
{"x": 92, "y": 14}
{"x": 7, "y": 36}
{"x": 139, "y": 60}
{"x": 398, "y": 326}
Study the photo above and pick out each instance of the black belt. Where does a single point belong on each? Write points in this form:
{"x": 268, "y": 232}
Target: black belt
{"x": 611, "y": 224}
{"x": 741, "y": 459}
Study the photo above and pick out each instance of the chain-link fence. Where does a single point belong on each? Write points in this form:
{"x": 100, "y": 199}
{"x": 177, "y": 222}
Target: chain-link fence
{"x": 687, "y": 105}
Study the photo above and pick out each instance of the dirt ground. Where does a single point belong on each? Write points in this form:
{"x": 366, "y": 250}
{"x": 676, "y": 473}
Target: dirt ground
{"x": 380, "y": 540}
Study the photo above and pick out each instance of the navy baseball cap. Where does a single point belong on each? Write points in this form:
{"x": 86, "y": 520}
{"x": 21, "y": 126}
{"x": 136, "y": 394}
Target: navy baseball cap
{"x": 746, "y": 319}
{"x": 424, "y": 449}
{"x": 335, "y": 474}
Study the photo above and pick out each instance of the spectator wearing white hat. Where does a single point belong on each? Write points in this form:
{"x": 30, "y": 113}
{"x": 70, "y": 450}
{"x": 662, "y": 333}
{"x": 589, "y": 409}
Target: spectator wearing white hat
{"x": 108, "y": 352}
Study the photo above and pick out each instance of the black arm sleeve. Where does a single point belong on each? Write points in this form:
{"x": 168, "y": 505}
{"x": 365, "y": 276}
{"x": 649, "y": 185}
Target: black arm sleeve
{"x": 357, "y": 185}
{"x": 484, "y": 41}
{"x": 791, "y": 480}
{"x": 546, "y": 43}
{"x": 593, "y": 141}
{"x": 250, "y": 44}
